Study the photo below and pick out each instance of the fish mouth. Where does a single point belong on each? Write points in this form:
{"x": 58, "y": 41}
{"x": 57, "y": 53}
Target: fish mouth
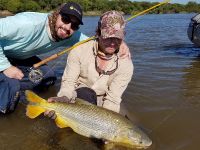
{"x": 146, "y": 144}
{"x": 142, "y": 147}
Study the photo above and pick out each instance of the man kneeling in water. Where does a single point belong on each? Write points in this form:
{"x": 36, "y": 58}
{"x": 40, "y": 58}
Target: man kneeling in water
{"x": 94, "y": 71}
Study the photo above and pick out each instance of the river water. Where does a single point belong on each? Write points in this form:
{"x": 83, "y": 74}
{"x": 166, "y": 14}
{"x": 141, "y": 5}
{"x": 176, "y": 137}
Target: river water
{"x": 163, "y": 97}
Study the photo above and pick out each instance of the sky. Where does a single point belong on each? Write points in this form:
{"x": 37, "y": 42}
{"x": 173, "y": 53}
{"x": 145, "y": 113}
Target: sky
{"x": 172, "y": 1}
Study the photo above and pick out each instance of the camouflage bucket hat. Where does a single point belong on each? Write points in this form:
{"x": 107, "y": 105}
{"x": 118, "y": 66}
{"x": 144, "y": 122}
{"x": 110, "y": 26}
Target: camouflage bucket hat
{"x": 112, "y": 24}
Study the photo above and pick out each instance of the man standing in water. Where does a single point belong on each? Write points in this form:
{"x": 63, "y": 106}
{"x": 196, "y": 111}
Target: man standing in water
{"x": 28, "y": 34}
{"x": 94, "y": 71}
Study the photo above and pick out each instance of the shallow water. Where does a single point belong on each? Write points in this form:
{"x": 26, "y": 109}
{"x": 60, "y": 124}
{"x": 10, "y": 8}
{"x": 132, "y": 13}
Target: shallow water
{"x": 163, "y": 97}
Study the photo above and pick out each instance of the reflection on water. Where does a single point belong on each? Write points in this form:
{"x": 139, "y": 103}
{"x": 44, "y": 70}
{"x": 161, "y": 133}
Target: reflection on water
{"x": 163, "y": 97}
{"x": 184, "y": 49}
{"x": 191, "y": 84}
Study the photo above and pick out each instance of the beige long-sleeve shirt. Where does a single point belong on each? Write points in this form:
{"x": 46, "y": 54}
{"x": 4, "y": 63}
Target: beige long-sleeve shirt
{"x": 80, "y": 71}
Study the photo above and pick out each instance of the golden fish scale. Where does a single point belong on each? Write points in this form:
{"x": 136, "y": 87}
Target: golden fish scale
{"x": 90, "y": 120}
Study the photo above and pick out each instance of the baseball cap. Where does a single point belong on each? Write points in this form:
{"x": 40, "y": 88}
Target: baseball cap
{"x": 72, "y": 8}
{"x": 112, "y": 24}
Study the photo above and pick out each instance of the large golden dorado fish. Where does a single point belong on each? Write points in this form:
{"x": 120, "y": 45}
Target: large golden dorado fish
{"x": 90, "y": 121}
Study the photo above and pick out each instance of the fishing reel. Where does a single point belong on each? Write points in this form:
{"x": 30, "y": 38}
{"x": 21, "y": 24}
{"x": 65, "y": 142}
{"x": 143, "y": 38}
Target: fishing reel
{"x": 35, "y": 75}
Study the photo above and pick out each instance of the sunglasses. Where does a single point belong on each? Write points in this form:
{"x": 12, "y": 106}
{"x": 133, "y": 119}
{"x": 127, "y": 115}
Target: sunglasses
{"x": 66, "y": 19}
{"x": 114, "y": 40}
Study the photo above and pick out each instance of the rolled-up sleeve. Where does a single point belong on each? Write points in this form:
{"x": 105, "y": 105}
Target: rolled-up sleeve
{"x": 70, "y": 76}
{"x": 116, "y": 88}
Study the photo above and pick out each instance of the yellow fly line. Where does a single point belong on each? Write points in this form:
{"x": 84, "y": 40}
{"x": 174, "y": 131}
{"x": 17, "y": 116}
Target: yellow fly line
{"x": 147, "y": 10}
{"x": 52, "y": 57}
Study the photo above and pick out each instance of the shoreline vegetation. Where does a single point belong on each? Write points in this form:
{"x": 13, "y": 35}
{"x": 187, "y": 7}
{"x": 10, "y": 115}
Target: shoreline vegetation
{"x": 95, "y": 7}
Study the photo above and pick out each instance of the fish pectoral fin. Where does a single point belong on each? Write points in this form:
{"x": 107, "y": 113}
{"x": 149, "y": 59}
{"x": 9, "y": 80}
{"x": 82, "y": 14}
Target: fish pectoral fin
{"x": 60, "y": 122}
{"x": 82, "y": 101}
{"x": 34, "y": 111}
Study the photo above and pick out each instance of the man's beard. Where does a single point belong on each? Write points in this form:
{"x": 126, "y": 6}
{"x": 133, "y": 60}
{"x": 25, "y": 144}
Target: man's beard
{"x": 52, "y": 23}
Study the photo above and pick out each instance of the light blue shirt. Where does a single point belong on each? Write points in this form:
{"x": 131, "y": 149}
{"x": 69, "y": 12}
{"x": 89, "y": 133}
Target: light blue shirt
{"x": 26, "y": 34}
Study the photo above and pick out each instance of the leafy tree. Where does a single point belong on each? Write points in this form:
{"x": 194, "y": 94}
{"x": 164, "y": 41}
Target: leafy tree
{"x": 14, "y": 6}
{"x": 192, "y": 7}
{"x": 125, "y": 6}
{"x": 3, "y": 4}
{"x": 30, "y": 5}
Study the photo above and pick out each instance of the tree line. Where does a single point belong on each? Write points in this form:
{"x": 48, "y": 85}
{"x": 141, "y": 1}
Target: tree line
{"x": 125, "y": 6}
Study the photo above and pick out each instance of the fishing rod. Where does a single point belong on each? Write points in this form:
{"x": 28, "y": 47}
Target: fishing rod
{"x": 36, "y": 75}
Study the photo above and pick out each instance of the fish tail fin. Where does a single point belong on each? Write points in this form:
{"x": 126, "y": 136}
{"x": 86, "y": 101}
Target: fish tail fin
{"x": 33, "y": 110}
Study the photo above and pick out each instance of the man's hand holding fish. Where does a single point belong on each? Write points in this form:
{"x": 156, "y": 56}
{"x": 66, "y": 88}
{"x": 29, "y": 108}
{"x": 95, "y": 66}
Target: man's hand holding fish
{"x": 51, "y": 113}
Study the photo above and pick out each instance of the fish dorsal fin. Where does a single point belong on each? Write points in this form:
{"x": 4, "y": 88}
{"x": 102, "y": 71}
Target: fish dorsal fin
{"x": 33, "y": 111}
{"x": 82, "y": 101}
{"x": 32, "y": 97}
{"x": 60, "y": 122}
